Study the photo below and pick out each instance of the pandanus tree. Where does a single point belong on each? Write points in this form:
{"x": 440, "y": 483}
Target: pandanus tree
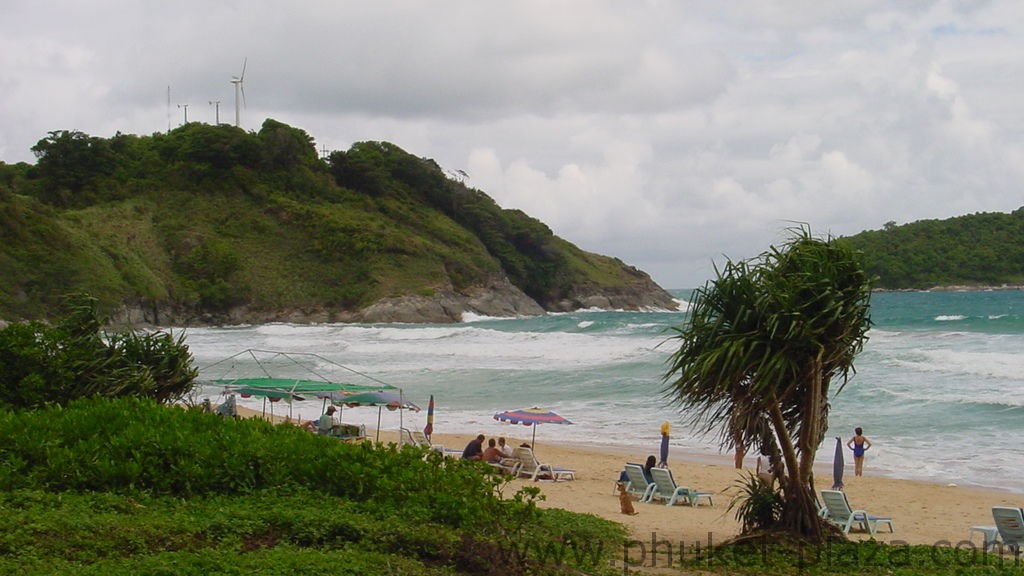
{"x": 764, "y": 342}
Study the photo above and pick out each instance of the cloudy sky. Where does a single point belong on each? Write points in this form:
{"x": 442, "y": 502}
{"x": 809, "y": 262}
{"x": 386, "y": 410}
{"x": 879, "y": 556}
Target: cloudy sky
{"x": 671, "y": 134}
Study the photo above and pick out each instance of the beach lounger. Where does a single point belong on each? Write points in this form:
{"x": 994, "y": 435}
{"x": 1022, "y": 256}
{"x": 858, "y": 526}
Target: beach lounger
{"x": 531, "y": 468}
{"x": 665, "y": 488}
{"x": 638, "y": 485}
{"x": 508, "y": 466}
{"x": 446, "y": 452}
{"x": 1010, "y": 525}
{"x": 413, "y": 437}
{"x": 841, "y": 514}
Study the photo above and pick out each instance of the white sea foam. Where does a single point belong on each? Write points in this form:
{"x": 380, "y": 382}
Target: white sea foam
{"x": 938, "y": 404}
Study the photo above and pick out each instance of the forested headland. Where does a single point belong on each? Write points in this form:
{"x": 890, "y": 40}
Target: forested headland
{"x": 980, "y": 250}
{"x": 210, "y": 224}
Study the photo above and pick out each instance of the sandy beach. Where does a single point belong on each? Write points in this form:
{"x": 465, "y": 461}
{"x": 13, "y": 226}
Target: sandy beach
{"x": 923, "y": 513}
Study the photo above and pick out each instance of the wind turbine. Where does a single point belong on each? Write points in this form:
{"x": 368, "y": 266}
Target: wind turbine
{"x": 239, "y": 88}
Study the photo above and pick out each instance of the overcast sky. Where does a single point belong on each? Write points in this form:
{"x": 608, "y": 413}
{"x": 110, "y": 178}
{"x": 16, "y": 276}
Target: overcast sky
{"x": 673, "y": 135}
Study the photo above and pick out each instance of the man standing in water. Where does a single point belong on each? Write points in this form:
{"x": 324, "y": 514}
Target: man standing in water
{"x": 859, "y": 444}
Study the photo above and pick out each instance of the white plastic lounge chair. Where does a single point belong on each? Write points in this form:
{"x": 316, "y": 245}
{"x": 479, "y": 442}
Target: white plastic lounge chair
{"x": 1010, "y": 524}
{"x": 420, "y": 438}
{"x": 531, "y": 468}
{"x": 665, "y": 488}
{"x": 638, "y": 485}
{"x": 508, "y": 466}
{"x": 414, "y": 437}
{"x": 840, "y": 513}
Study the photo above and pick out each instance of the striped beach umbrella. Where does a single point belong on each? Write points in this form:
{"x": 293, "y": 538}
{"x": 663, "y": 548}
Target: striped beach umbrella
{"x": 531, "y": 417}
{"x": 429, "y": 428}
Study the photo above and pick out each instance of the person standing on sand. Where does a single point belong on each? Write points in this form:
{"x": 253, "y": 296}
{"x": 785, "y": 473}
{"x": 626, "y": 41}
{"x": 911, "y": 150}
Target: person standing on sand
{"x": 666, "y": 429}
{"x": 859, "y": 444}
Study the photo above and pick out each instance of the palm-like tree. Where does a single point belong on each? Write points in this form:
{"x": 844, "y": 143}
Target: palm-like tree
{"x": 764, "y": 341}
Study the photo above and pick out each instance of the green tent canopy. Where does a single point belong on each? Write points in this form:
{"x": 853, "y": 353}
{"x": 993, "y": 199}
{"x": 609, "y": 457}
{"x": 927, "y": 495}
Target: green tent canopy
{"x": 282, "y": 387}
{"x": 259, "y": 373}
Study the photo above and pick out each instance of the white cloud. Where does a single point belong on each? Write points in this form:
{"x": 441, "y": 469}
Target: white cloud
{"x": 669, "y": 134}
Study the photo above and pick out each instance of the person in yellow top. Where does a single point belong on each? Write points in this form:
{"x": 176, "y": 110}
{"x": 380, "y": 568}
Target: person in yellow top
{"x": 665, "y": 430}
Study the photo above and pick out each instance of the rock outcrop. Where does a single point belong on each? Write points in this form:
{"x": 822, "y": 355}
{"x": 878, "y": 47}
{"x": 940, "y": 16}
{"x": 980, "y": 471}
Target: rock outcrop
{"x": 498, "y": 299}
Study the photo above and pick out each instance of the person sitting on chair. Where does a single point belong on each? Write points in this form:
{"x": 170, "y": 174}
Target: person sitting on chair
{"x": 326, "y": 422}
{"x": 492, "y": 453}
{"x": 474, "y": 449}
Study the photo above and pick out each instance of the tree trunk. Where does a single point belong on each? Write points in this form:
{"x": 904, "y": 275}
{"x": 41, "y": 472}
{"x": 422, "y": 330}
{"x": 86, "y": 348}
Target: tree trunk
{"x": 799, "y": 508}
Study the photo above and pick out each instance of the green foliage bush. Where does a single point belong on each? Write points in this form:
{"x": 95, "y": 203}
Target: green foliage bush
{"x": 132, "y": 444}
{"x": 128, "y": 486}
{"x": 757, "y": 504}
{"x": 43, "y": 364}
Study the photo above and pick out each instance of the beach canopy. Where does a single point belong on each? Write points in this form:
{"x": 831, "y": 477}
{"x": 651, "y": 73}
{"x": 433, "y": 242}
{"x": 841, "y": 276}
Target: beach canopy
{"x": 290, "y": 388}
{"x": 381, "y": 399}
{"x": 531, "y": 417}
{"x": 288, "y": 376}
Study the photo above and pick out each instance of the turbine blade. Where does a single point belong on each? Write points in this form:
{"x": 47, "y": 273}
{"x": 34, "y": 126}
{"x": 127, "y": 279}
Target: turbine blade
{"x": 244, "y": 62}
{"x": 242, "y": 86}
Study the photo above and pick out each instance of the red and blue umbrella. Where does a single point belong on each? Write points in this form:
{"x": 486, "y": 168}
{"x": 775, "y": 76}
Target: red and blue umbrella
{"x": 531, "y": 417}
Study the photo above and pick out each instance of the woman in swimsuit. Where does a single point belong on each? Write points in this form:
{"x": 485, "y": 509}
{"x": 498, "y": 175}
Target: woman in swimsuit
{"x": 859, "y": 444}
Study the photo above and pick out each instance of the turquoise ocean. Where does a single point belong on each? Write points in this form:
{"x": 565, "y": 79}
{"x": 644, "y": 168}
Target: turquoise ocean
{"x": 939, "y": 387}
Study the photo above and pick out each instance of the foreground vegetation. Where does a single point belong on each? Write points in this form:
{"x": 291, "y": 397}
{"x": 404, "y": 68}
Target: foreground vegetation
{"x": 128, "y": 486}
{"x": 72, "y": 357}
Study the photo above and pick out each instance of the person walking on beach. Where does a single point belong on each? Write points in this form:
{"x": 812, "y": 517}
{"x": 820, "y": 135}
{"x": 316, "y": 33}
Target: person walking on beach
{"x": 859, "y": 444}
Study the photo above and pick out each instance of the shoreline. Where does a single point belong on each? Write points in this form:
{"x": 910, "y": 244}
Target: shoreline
{"x": 924, "y": 513}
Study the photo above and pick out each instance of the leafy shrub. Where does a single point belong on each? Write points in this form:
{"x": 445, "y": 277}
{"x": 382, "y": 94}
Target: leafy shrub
{"x": 758, "y": 504}
{"x": 132, "y": 444}
{"x": 42, "y": 364}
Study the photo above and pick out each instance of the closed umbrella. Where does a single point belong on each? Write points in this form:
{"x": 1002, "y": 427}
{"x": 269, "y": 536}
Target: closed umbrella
{"x": 531, "y": 417}
{"x": 429, "y": 428}
{"x": 837, "y": 466}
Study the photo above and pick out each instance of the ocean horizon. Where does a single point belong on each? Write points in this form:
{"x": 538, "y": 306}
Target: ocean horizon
{"x": 938, "y": 387}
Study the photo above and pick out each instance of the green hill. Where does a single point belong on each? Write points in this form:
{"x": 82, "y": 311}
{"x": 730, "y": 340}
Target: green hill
{"x": 977, "y": 250}
{"x": 211, "y": 224}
